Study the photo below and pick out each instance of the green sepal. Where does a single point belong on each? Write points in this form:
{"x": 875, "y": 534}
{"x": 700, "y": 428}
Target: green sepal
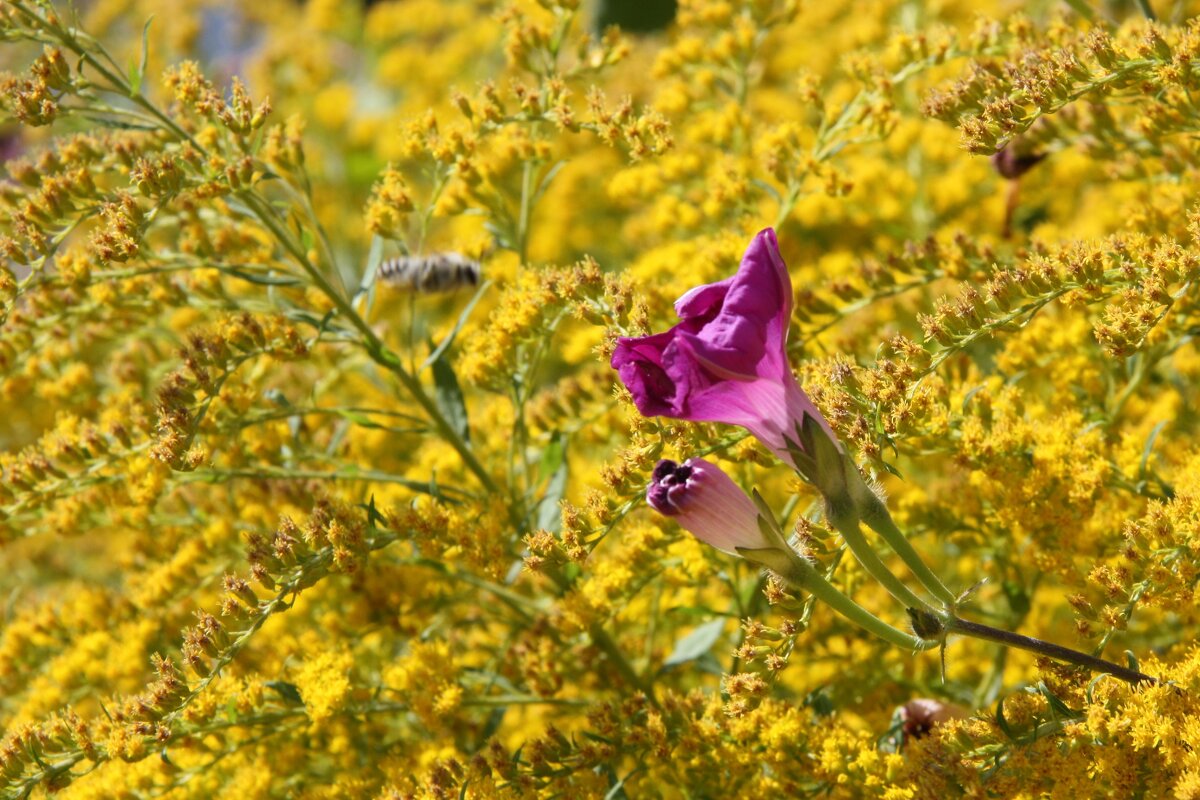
{"x": 870, "y": 508}
{"x": 768, "y": 526}
{"x": 828, "y": 470}
{"x": 829, "y": 457}
{"x": 772, "y": 558}
{"x": 833, "y": 473}
{"x": 805, "y": 466}
{"x": 765, "y": 514}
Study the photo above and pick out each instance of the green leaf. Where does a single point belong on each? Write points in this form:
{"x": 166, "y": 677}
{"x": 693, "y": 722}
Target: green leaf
{"x": 617, "y": 787}
{"x": 1018, "y": 598}
{"x": 758, "y": 183}
{"x": 1002, "y": 723}
{"x": 462, "y": 320}
{"x": 261, "y": 280}
{"x": 277, "y": 397}
{"x": 136, "y": 74}
{"x": 696, "y": 643}
{"x": 697, "y": 612}
{"x": 553, "y": 457}
{"x": 494, "y": 719}
{"x": 820, "y": 702}
{"x": 971, "y": 394}
{"x": 1081, "y": 8}
{"x": 374, "y": 518}
{"x": 1057, "y": 707}
{"x": 361, "y": 420}
{"x": 1149, "y": 447}
{"x": 320, "y": 323}
{"x": 374, "y": 259}
{"x": 544, "y": 183}
{"x": 891, "y": 470}
{"x": 449, "y": 398}
{"x": 554, "y": 470}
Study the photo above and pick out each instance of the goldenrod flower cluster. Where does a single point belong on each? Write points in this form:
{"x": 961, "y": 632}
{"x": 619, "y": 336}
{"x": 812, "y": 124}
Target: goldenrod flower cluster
{"x": 270, "y": 527}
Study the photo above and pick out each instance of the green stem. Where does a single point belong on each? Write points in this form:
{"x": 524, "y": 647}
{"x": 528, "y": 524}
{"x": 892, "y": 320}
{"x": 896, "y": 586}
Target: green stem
{"x": 1146, "y": 362}
{"x": 871, "y": 510}
{"x": 846, "y": 521}
{"x": 525, "y": 210}
{"x": 803, "y": 575}
{"x": 819, "y": 460}
{"x": 616, "y": 657}
{"x": 524, "y": 606}
{"x": 876, "y": 515}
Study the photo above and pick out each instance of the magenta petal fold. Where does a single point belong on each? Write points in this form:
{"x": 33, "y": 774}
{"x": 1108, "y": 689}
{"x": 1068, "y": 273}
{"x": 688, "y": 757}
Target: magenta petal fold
{"x": 726, "y": 360}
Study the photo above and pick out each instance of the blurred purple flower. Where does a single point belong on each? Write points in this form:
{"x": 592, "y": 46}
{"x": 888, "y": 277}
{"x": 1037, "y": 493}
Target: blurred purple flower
{"x": 726, "y": 361}
{"x": 707, "y": 503}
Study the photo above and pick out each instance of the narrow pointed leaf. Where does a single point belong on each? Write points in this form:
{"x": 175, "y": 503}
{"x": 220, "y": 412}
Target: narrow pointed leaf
{"x": 449, "y": 398}
{"x": 554, "y": 470}
{"x": 696, "y": 643}
{"x": 462, "y": 320}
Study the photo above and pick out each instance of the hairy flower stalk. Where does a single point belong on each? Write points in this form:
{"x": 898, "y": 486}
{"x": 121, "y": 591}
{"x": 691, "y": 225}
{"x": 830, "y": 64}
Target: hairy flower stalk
{"x": 1049, "y": 649}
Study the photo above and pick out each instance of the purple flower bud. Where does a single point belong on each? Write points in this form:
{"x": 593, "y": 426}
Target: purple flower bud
{"x": 726, "y": 361}
{"x": 707, "y": 503}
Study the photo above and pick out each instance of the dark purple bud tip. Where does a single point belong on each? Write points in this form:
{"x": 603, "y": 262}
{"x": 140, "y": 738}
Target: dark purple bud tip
{"x": 662, "y": 469}
{"x": 667, "y": 475}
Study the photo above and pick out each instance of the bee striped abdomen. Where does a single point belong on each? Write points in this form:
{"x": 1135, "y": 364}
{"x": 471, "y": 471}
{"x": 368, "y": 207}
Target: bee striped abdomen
{"x": 435, "y": 272}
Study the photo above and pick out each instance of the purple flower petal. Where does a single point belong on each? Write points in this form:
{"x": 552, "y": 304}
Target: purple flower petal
{"x": 639, "y": 362}
{"x": 704, "y": 301}
{"x": 726, "y": 360}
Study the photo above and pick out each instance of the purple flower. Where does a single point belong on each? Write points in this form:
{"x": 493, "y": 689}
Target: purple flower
{"x": 707, "y": 503}
{"x": 726, "y": 361}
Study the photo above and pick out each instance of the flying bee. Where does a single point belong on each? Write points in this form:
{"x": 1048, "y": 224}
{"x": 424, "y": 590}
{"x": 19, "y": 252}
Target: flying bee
{"x": 429, "y": 274}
